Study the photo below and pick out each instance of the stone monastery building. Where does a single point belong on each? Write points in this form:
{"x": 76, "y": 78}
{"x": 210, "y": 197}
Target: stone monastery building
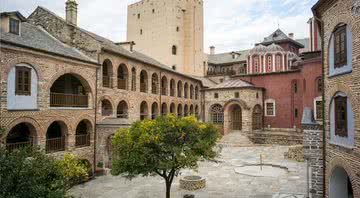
{"x": 67, "y": 89}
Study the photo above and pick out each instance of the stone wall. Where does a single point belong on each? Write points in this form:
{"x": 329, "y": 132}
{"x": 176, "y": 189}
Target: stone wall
{"x": 279, "y": 137}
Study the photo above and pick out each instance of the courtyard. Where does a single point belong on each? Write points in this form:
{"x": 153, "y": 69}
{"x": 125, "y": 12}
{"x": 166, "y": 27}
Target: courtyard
{"x": 223, "y": 179}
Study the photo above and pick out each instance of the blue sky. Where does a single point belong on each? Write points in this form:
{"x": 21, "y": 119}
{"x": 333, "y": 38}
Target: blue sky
{"x": 229, "y": 24}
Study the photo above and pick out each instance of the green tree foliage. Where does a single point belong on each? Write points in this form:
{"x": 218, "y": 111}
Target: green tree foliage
{"x": 163, "y": 146}
{"x": 29, "y": 173}
{"x": 72, "y": 169}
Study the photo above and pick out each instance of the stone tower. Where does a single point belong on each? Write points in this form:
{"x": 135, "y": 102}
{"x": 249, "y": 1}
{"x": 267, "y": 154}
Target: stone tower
{"x": 171, "y": 31}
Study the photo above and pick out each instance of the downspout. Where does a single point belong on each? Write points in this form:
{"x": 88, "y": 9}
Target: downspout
{"x": 322, "y": 34}
{"x": 95, "y": 110}
{"x": 160, "y": 92}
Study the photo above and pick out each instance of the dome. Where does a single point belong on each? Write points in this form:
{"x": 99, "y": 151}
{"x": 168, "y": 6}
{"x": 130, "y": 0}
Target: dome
{"x": 274, "y": 48}
{"x": 258, "y": 49}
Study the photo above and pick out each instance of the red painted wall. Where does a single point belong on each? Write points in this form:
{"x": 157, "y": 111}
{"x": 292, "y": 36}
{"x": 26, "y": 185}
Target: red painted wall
{"x": 279, "y": 86}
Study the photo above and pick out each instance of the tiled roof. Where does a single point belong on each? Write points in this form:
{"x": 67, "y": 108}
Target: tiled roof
{"x": 233, "y": 83}
{"x": 206, "y": 82}
{"x": 109, "y": 45}
{"x": 227, "y": 58}
{"x": 279, "y": 36}
{"x": 37, "y": 38}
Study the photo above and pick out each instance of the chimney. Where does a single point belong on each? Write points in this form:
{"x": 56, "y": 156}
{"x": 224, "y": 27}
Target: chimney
{"x": 212, "y": 50}
{"x": 291, "y": 35}
{"x": 129, "y": 45}
{"x": 71, "y": 12}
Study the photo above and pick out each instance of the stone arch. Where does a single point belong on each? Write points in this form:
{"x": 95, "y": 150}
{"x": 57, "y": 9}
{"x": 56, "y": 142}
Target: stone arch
{"x": 179, "y": 88}
{"x": 340, "y": 87}
{"x": 122, "y": 76}
{"x": 87, "y": 88}
{"x": 21, "y": 135}
{"x": 172, "y": 87}
{"x": 191, "y": 91}
{"x": 56, "y": 136}
{"x": 242, "y": 104}
{"x": 186, "y": 110}
{"x": 164, "y": 86}
{"x": 186, "y": 90}
{"x": 144, "y": 81}
{"x": 164, "y": 109}
{"x": 154, "y": 110}
{"x": 106, "y": 107}
{"x": 196, "y": 92}
{"x": 172, "y": 108}
{"x": 83, "y": 132}
{"x": 236, "y": 116}
{"x": 144, "y": 112}
{"x": 133, "y": 79}
{"x": 179, "y": 110}
{"x": 154, "y": 83}
{"x": 122, "y": 110}
{"x": 107, "y": 73}
{"x": 16, "y": 61}
{"x": 37, "y": 127}
{"x": 335, "y": 164}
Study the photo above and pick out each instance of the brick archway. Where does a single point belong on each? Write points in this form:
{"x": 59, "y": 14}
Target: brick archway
{"x": 236, "y": 114}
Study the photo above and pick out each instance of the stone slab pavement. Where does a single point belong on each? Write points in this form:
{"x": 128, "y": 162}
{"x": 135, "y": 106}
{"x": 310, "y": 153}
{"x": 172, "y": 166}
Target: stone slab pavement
{"x": 221, "y": 179}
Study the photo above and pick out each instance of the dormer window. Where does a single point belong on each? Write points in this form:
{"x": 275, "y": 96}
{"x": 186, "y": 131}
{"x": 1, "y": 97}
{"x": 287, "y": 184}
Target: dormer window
{"x": 14, "y": 26}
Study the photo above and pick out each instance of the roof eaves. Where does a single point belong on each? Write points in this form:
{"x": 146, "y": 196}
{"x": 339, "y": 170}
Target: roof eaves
{"x": 17, "y": 13}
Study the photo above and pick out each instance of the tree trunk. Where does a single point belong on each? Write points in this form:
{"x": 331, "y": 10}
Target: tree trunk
{"x": 168, "y": 188}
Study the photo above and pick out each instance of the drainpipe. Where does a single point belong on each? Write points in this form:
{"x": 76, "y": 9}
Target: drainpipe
{"x": 95, "y": 110}
{"x": 160, "y": 92}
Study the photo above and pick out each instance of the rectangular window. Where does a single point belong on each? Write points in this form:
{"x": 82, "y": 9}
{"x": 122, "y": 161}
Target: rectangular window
{"x": 341, "y": 116}
{"x": 23, "y": 81}
{"x": 340, "y": 52}
{"x": 216, "y": 95}
{"x": 237, "y": 95}
{"x": 318, "y": 109}
{"x": 270, "y": 109}
{"x": 14, "y": 26}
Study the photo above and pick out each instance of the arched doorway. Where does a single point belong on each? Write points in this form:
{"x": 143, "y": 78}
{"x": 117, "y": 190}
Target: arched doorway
{"x": 122, "y": 77}
{"x": 106, "y": 108}
{"x": 83, "y": 131}
{"x": 164, "y": 109}
{"x": 122, "y": 110}
{"x": 143, "y": 110}
{"x": 236, "y": 117}
{"x": 340, "y": 184}
{"x": 154, "y": 110}
{"x": 55, "y": 137}
{"x": 20, "y": 136}
{"x": 257, "y": 118}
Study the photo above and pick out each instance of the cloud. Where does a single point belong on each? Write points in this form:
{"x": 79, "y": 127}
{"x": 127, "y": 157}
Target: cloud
{"x": 229, "y": 25}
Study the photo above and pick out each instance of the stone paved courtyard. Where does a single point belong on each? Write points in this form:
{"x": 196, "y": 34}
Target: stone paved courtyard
{"x": 222, "y": 180}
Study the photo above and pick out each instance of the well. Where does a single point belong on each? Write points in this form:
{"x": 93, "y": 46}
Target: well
{"x": 192, "y": 182}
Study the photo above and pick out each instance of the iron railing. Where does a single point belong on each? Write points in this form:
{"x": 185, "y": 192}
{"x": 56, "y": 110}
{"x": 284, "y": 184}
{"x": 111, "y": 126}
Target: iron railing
{"x": 82, "y": 140}
{"x": 55, "y": 144}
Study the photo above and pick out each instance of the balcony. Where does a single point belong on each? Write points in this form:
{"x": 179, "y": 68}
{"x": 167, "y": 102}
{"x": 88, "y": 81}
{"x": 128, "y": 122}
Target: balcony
{"x": 122, "y": 84}
{"x": 18, "y": 145}
{"x": 107, "y": 81}
{"x": 55, "y": 145}
{"x": 69, "y": 100}
{"x": 143, "y": 87}
{"x": 82, "y": 140}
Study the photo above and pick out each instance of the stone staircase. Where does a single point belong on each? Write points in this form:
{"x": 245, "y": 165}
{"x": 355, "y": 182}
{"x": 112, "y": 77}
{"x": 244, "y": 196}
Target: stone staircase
{"x": 235, "y": 139}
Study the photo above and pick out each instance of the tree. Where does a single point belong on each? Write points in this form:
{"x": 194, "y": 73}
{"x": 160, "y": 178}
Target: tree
{"x": 163, "y": 146}
{"x": 72, "y": 169}
{"x": 29, "y": 173}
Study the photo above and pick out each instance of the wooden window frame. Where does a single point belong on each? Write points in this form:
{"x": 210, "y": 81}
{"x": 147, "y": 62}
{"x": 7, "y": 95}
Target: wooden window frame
{"x": 340, "y": 61}
{"x": 267, "y": 108}
{"x": 16, "y": 29}
{"x": 341, "y": 128}
{"x": 318, "y": 111}
{"x": 20, "y": 76}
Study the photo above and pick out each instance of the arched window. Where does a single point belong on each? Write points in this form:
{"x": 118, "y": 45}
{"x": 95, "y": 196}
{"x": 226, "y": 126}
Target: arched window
{"x": 106, "y": 73}
{"x": 122, "y": 110}
{"x": 197, "y": 113}
{"x": 172, "y": 108}
{"x": 278, "y": 62}
{"x": 179, "y": 111}
{"x": 191, "y": 92}
{"x": 269, "y": 63}
{"x": 20, "y": 136}
{"x": 83, "y": 131}
{"x": 106, "y": 108}
{"x": 340, "y": 50}
{"x": 174, "y": 49}
{"x": 133, "y": 79}
{"x": 340, "y": 184}
{"x": 257, "y": 118}
{"x": 154, "y": 83}
{"x": 191, "y": 109}
{"x": 217, "y": 114}
{"x": 164, "y": 109}
{"x": 154, "y": 110}
{"x": 55, "y": 137}
{"x": 164, "y": 86}
{"x": 186, "y": 110}
{"x": 172, "y": 87}
{"x": 122, "y": 77}
{"x": 143, "y": 110}
{"x": 186, "y": 90}
{"x": 69, "y": 91}
{"x": 143, "y": 81}
{"x": 196, "y": 92}
{"x": 179, "y": 89}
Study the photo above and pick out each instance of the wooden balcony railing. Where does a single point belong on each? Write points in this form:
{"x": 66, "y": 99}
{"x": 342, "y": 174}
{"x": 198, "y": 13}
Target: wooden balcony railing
{"x": 82, "y": 140}
{"x": 122, "y": 84}
{"x": 68, "y": 100}
{"x": 106, "y": 81}
{"x": 18, "y": 145}
{"x": 143, "y": 87}
{"x": 55, "y": 145}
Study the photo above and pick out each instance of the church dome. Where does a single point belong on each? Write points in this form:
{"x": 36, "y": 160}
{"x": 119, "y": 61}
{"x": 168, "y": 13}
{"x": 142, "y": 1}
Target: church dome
{"x": 258, "y": 49}
{"x": 274, "y": 48}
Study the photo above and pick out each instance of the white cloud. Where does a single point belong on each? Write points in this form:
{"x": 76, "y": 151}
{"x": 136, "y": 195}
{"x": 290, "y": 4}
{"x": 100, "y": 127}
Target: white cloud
{"x": 229, "y": 25}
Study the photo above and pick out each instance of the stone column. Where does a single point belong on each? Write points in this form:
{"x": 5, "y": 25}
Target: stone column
{"x": 313, "y": 153}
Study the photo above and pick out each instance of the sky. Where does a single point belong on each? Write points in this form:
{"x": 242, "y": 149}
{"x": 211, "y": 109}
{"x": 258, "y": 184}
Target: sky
{"x": 229, "y": 25}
